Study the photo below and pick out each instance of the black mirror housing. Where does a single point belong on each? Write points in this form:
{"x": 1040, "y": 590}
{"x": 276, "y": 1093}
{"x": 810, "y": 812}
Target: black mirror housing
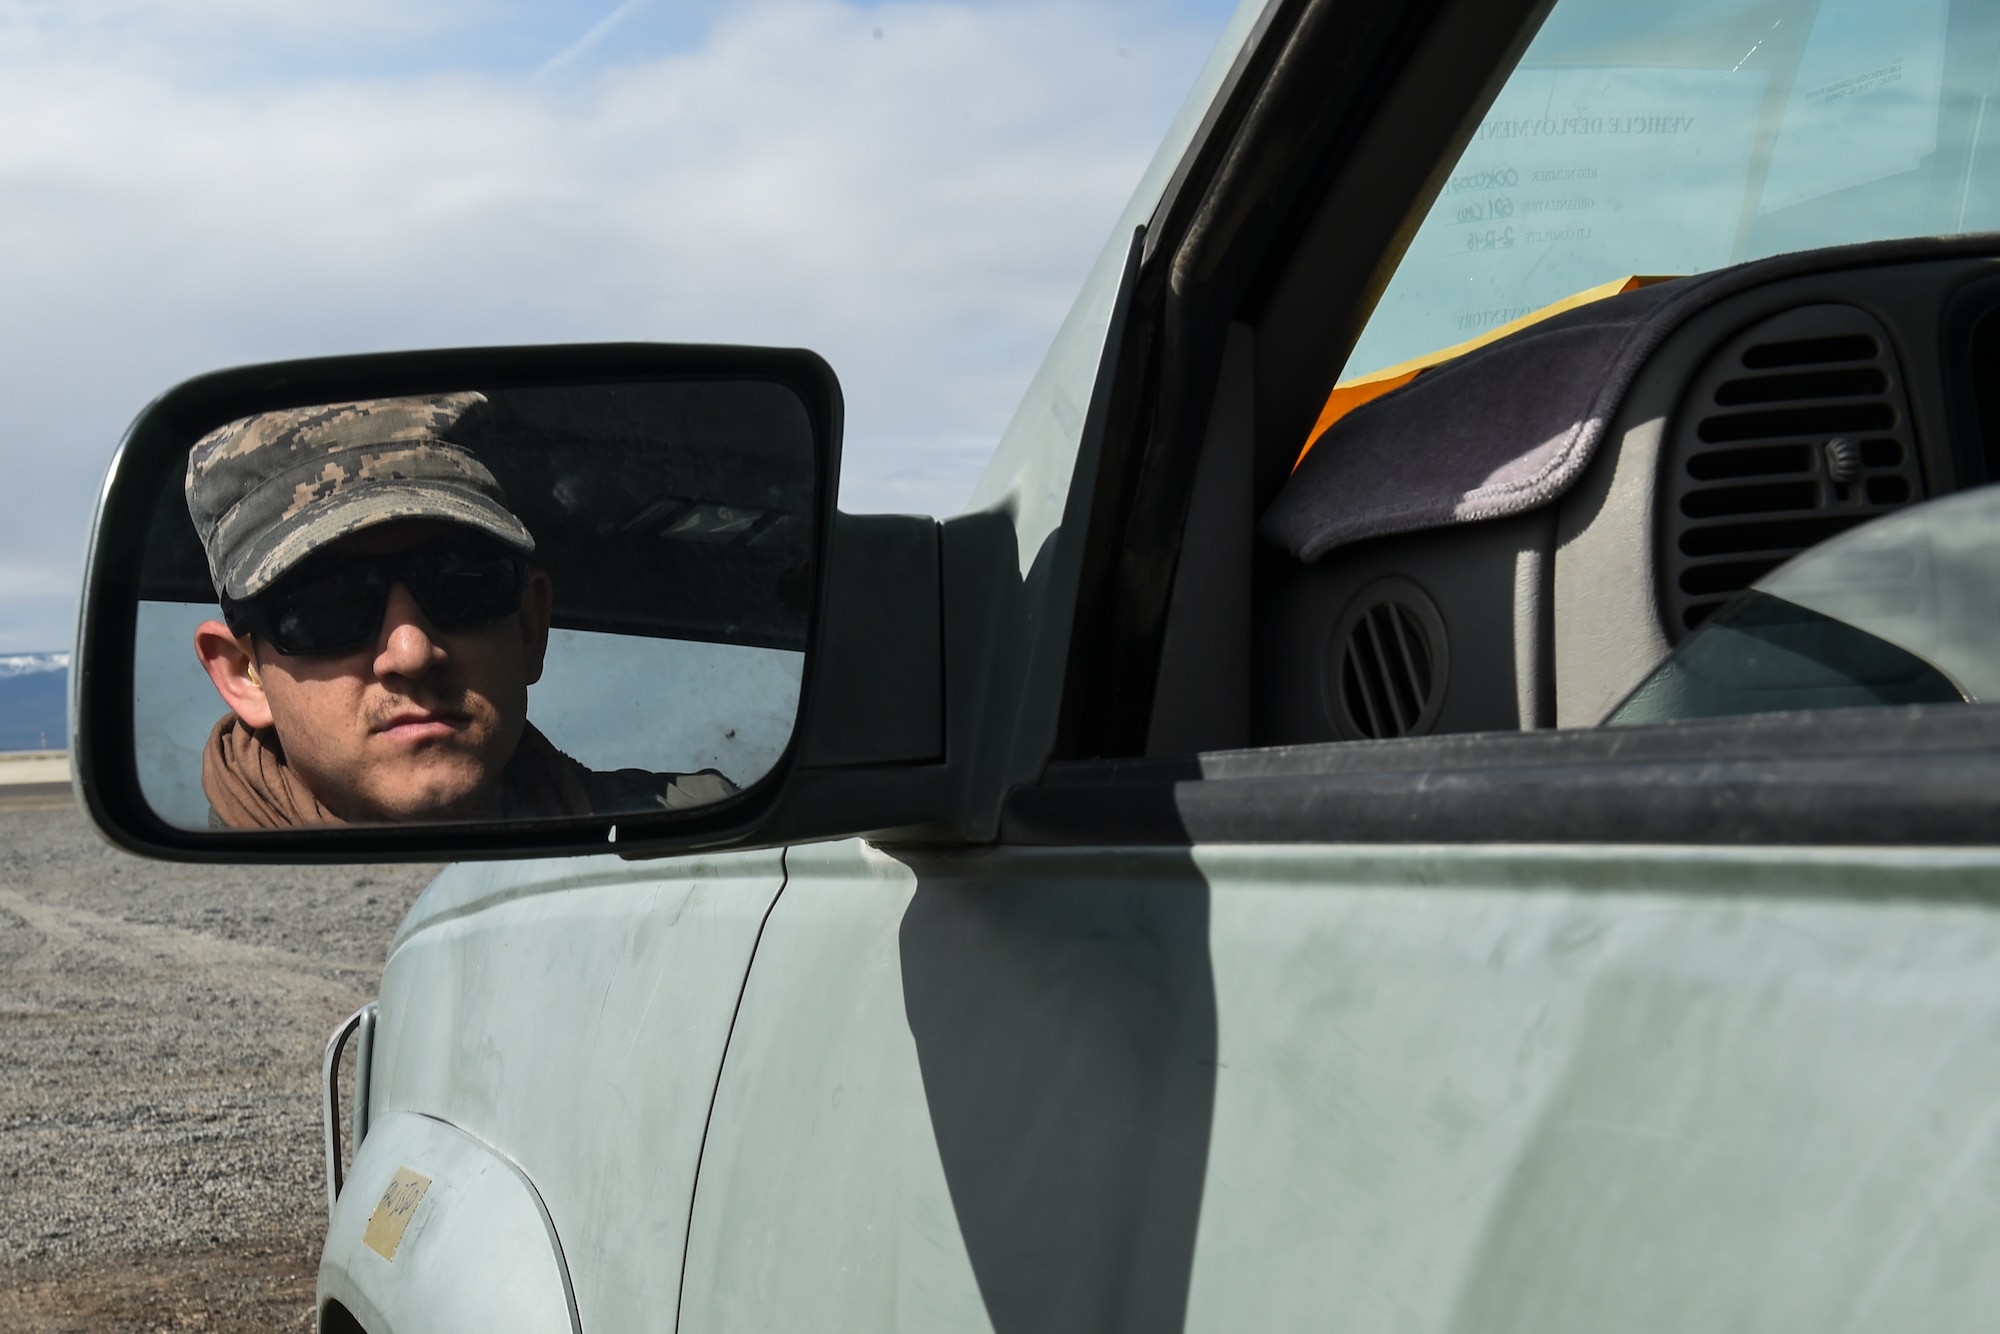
{"x": 883, "y": 610}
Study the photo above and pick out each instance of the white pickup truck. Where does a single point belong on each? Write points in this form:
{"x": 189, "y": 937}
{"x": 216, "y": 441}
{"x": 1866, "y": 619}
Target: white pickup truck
{"x": 1446, "y": 779}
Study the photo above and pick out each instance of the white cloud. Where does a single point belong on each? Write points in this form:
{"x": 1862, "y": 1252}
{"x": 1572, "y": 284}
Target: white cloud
{"x": 31, "y": 664}
{"x": 198, "y": 32}
{"x": 918, "y": 206}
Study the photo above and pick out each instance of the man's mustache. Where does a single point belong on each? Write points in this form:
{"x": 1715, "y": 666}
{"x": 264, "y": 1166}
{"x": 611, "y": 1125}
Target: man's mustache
{"x": 450, "y": 704}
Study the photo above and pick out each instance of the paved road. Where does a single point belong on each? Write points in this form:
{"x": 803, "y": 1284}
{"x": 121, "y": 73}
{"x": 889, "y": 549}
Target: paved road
{"x": 160, "y": 1030}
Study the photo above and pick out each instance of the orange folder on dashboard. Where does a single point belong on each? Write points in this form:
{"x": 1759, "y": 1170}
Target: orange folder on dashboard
{"x": 1351, "y": 394}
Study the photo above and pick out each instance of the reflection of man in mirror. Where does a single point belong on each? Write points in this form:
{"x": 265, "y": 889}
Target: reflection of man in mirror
{"x": 382, "y": 622}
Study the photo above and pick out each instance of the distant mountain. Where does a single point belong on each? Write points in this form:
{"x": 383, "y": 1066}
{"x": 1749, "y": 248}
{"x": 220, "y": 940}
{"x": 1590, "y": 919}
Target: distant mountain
{"x": 34, "y": 701}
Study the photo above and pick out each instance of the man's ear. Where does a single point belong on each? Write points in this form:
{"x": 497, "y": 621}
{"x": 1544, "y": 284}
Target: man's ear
{"x": 537, "y": 605}
{"x": 231, "y": 663}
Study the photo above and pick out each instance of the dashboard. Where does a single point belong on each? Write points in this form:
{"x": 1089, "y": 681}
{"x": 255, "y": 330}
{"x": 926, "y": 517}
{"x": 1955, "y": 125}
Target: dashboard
{"x": 1812, "y": 394}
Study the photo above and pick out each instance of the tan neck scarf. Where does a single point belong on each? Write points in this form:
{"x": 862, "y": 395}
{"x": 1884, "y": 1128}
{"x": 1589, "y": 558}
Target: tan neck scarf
{"x": 249, "y": 785}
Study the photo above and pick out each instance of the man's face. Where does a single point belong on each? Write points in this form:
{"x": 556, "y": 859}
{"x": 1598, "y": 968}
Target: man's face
{"x": 416, "y": 725}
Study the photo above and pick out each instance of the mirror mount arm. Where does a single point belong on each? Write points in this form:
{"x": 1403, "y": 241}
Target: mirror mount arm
{"x": 871, "y": 759}
{"x": 877, "y": 695}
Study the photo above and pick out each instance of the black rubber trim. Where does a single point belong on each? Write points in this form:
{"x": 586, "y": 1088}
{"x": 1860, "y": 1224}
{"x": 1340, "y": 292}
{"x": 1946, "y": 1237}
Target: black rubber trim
{"x": 1307, "y": 93}
{"x": 1925, "y": 775}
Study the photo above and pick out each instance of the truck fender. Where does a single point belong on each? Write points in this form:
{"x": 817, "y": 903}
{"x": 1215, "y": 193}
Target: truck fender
{"x": 434, "y": 1231}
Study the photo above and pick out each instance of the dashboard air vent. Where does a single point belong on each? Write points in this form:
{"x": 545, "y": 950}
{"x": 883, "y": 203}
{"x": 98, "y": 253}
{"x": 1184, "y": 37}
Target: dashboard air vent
{"x": 1795, "y": 430}
{"x": 1387, "y": 664}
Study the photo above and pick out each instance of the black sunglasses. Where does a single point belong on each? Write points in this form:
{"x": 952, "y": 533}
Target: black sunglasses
{"x": 334, "y": 603}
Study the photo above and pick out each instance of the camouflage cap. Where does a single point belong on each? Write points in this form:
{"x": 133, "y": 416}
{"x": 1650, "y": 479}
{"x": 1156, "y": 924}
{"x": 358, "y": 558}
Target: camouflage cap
{"x": 265, "y": 492}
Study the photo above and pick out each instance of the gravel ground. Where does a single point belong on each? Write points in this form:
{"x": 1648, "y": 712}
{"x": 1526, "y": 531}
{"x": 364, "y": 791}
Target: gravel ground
{"x": 160, "y": 1032}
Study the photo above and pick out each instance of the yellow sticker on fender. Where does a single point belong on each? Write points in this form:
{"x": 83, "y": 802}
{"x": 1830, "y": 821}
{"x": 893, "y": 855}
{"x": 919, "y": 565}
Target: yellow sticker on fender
{"x": 392, "y": 1212}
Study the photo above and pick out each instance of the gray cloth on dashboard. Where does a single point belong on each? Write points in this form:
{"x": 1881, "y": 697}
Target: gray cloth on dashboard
{"x": 1510, "y": 427}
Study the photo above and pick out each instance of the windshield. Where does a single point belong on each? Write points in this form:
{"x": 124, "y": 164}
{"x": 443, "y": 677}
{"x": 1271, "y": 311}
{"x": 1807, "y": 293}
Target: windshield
{"x": 1675, "y": 138}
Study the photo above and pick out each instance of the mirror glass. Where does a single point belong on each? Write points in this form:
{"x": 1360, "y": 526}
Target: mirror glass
{"x": 489, "y": 605}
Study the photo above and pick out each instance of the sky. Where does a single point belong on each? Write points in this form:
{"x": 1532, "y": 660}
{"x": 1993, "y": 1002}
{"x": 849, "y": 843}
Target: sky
{"x": 913, "y": 190}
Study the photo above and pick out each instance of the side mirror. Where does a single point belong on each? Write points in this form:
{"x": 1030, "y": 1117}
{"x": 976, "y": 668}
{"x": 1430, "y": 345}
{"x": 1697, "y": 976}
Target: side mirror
{"x": 469, "y": 603}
